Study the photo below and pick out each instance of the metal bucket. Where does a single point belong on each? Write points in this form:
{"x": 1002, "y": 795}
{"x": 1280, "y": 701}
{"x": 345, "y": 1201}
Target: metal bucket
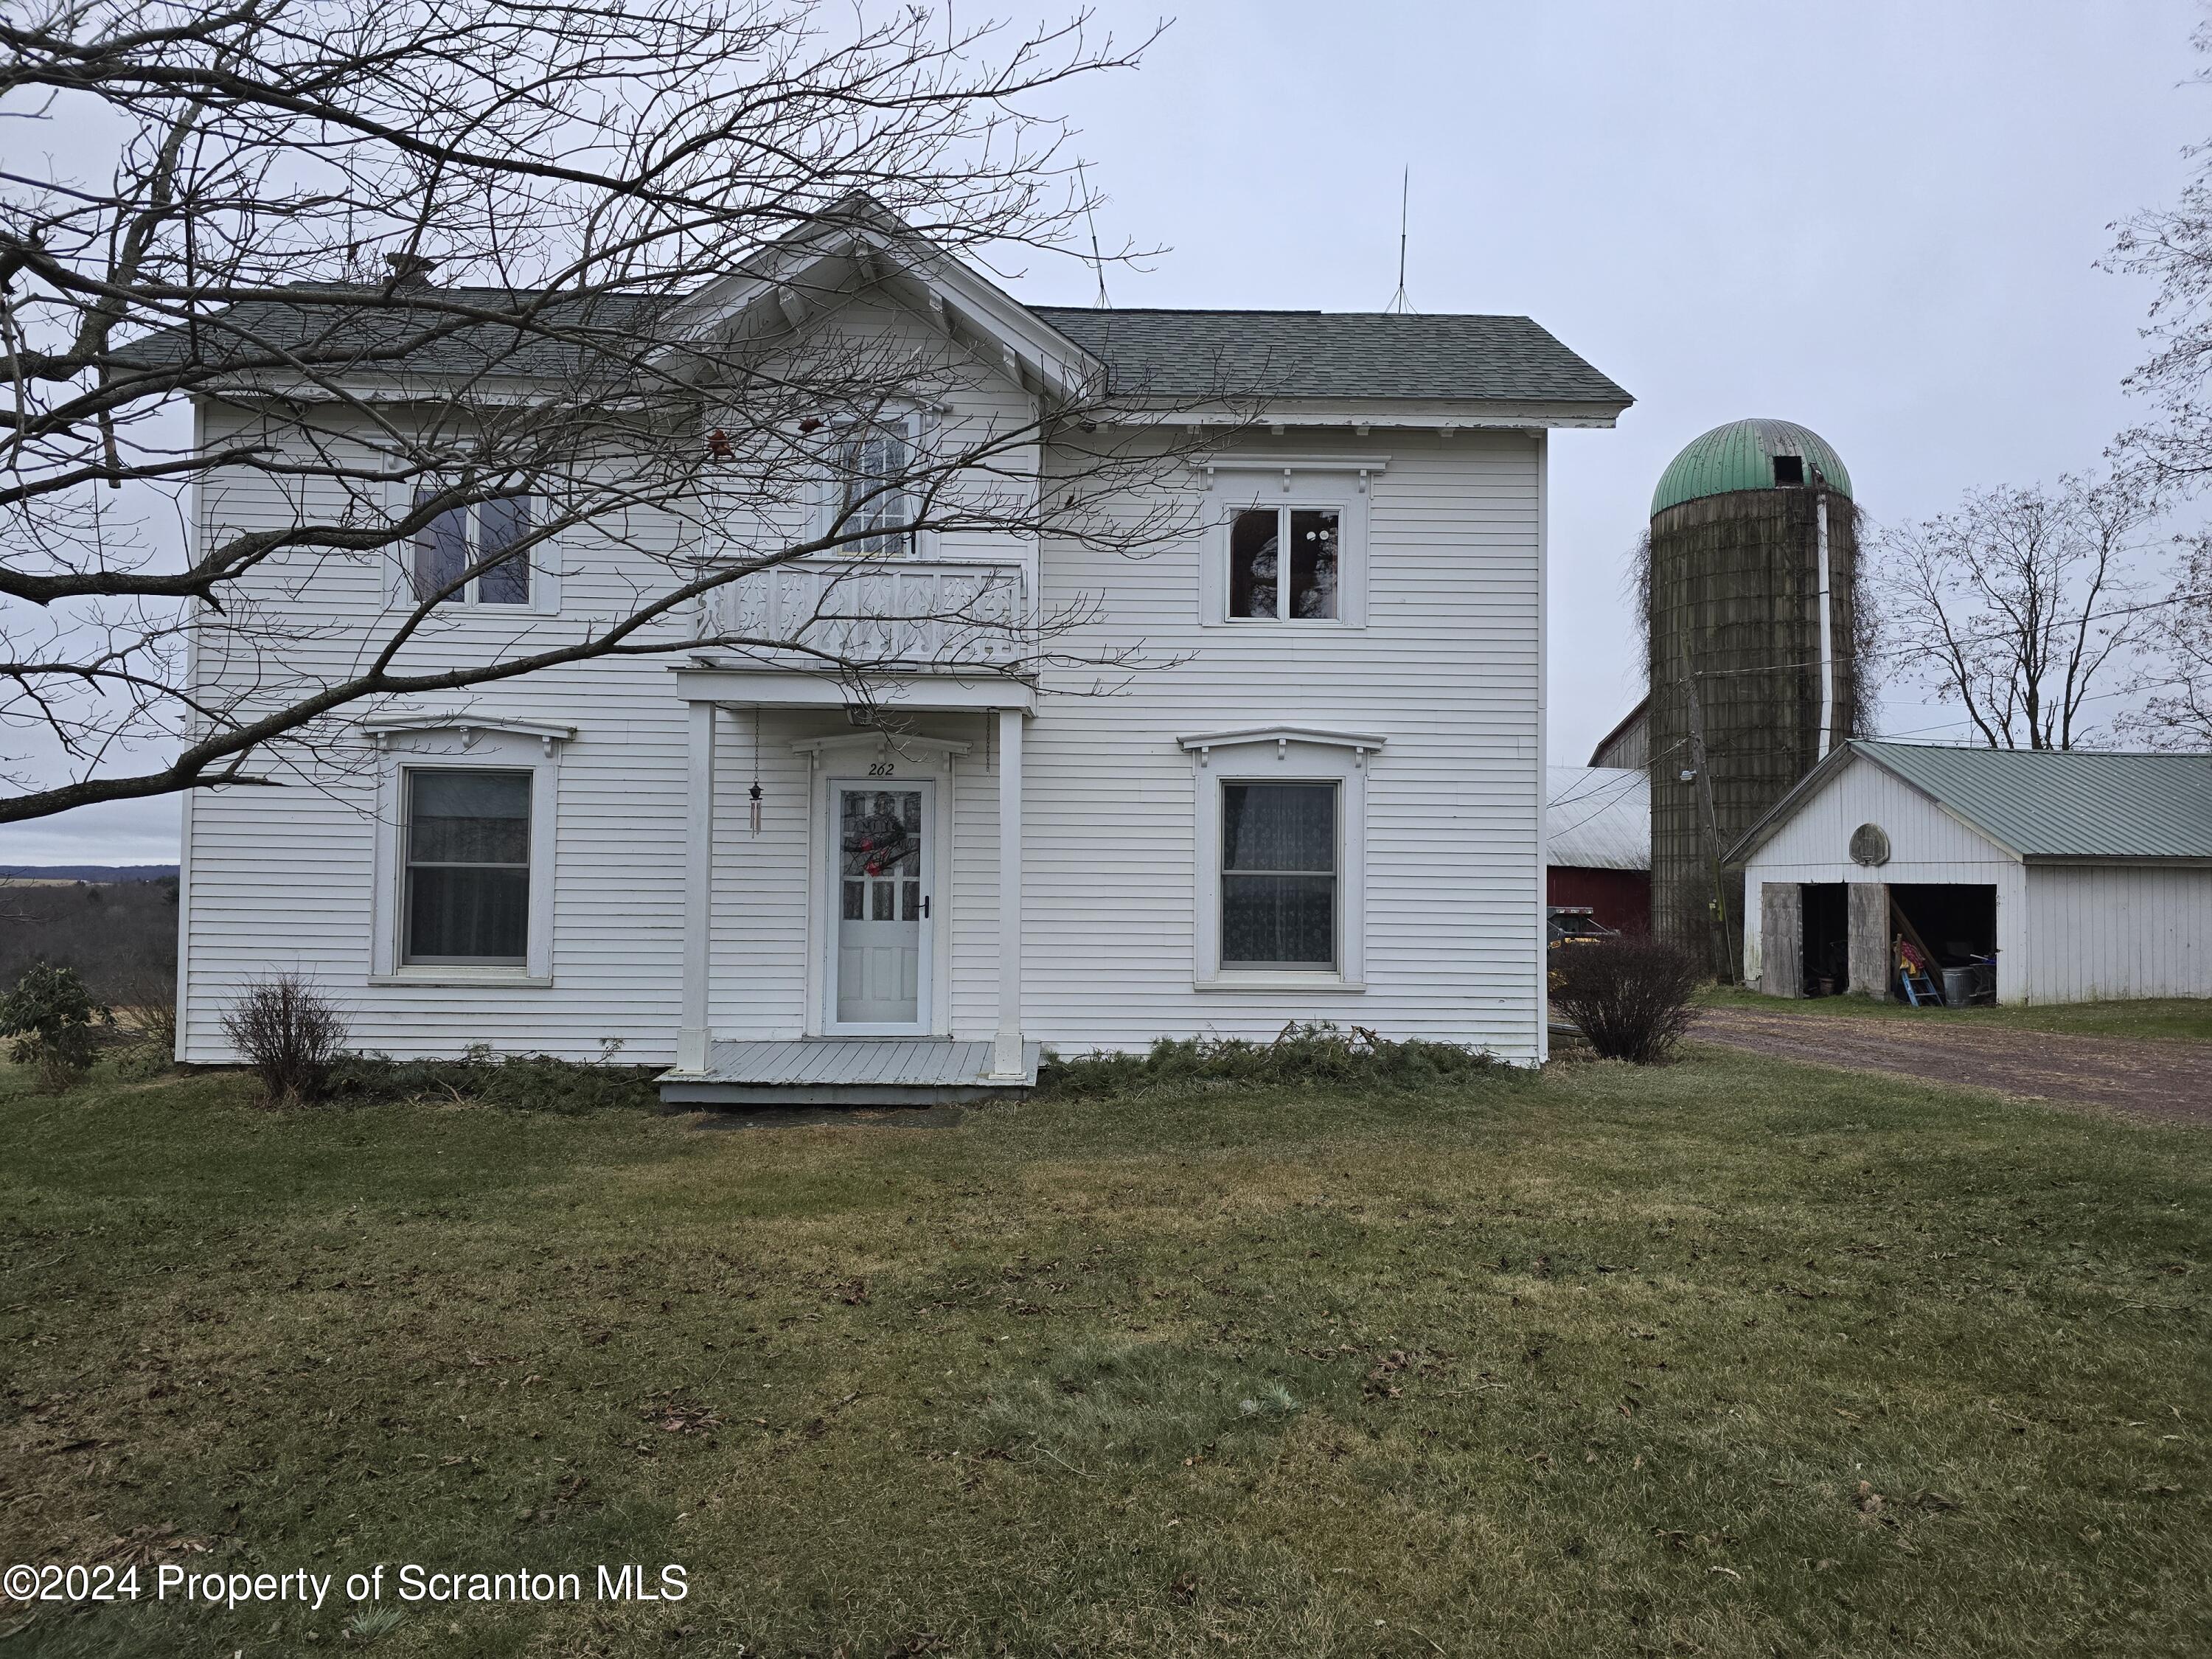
{"x": 1958, "y": 987}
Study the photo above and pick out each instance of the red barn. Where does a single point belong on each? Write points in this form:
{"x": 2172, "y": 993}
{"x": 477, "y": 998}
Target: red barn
{"x": 1598, "y": 844}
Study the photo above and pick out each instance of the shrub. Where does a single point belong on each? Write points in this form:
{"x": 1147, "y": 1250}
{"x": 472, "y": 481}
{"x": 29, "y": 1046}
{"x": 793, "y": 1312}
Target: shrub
{"x": 1630, "y": 996}
{"x": 291, "y": 1033}
{"x": 148, "y": 1002}
{"x": 1320, "y": 1054}
{"x": 529, "y": 1083}
{"x": 54, "y": 1022}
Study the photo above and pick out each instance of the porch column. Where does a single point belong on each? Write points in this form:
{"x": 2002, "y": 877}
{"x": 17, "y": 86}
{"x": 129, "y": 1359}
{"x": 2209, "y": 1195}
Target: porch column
{"x": 698, "y": 889}
{"x": 1006, "y": 1046}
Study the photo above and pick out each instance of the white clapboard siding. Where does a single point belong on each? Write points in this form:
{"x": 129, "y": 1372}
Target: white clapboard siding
{"x": 2106, "y": 931}
{"x": 1447, "y": 669}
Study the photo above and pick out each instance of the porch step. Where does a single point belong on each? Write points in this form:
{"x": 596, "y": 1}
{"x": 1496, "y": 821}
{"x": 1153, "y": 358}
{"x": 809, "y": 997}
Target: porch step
{"x": 845, "y": 1072}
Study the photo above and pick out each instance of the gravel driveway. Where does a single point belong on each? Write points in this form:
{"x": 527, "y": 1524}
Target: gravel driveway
{"x": 2168, "y": 1080}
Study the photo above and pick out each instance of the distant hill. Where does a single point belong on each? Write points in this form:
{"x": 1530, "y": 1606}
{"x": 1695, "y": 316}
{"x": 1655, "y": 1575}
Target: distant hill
{"x": 88, "y": 872}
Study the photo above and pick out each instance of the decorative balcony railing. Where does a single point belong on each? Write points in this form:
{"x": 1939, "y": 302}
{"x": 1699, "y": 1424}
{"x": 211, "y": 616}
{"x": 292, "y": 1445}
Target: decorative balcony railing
{"x": 909, "y": 615}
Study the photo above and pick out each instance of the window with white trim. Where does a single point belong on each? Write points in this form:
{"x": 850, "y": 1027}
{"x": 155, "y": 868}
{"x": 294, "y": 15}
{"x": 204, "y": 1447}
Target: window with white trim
{"x": 456, "y": 556}
{"x": 1279, "y": 888}
{"x": 466, "y": 872}
{"x": 465, "y": 813}
{"x": 1285, "y": 563}
{"x": 1278, "y": 876}
{"x": 1286, "y": 540}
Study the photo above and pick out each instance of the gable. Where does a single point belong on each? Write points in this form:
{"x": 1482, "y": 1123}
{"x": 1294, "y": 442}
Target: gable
{"x": 860, "y": 252}
{"x": 1848, "y": 791}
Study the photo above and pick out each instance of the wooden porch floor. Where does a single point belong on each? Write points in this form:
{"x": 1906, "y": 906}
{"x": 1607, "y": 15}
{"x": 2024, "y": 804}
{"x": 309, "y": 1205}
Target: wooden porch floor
{"x": 845, "y": 1072}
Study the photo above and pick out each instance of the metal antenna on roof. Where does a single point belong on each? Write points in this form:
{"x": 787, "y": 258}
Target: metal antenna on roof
{"x": 1097, "y": 262}
{"x": 1400, "y": 305}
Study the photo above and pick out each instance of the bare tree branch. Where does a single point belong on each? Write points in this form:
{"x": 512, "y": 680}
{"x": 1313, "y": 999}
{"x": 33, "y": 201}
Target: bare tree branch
{"x": 2018, "y": 605}
{"x": 382, "y": 317}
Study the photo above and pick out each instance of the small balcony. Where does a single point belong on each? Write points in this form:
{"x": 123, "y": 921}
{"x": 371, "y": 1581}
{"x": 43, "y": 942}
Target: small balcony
{"x": 911, "y": 615}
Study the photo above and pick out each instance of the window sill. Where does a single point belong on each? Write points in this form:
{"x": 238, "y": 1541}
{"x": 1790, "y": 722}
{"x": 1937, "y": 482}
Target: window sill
{"x": 502, "y": 978}
{"x": 1293, "y": 981}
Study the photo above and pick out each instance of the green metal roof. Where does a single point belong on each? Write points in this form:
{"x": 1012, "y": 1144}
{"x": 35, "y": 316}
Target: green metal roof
{"x": 2041, "y": 803}
{"x": 1741, "y": 456}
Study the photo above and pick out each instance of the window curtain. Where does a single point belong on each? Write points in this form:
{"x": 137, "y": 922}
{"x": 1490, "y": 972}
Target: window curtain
{"x": 1279, "y": 875}
{"x": 873, "y": 463}
{"x": 500, "y": 525}
{"x": 441, "y": 550}
{"x": 468, "y": 866}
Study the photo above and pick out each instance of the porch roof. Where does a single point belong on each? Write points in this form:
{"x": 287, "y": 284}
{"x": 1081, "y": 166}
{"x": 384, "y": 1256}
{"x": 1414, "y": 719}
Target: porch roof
{"x": 723, "y": 680}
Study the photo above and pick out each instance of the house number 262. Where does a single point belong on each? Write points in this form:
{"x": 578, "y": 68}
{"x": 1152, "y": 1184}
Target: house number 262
{"x": 883, "y": 769}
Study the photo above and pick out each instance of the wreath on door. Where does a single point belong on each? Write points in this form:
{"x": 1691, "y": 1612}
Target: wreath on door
{"x": 878, "y": 841}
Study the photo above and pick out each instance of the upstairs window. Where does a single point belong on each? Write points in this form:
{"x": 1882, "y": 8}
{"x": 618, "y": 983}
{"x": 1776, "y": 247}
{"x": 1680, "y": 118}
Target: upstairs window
{"x": 459, "y": 541}
{"x": 874, "y": 504}
{"x": 1267, "y": 584}
{"x": 1279, "y": 901}
{"x": 467, "y": 867}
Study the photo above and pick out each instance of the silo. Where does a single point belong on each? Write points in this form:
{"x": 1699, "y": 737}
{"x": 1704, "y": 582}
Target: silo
{"x": 1752, "y": 618}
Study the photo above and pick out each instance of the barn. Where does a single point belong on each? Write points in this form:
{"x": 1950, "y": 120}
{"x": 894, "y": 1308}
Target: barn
{"x": 2084, "y": 876}
{"x": 1597, "y": 844}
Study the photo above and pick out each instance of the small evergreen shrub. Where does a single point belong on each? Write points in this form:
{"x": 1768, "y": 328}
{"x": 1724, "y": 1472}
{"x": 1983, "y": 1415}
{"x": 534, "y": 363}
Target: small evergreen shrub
{"x": 1320, "y": 1054}
{"x": 524, "y": 1083}
{"x": 291, "y": 1034}
{"x": 1631, "y": 996}
{"x": 55, "y": 1023}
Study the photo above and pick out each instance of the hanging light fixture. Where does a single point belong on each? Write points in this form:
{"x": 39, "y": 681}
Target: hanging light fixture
{"x": 756, "y": 782}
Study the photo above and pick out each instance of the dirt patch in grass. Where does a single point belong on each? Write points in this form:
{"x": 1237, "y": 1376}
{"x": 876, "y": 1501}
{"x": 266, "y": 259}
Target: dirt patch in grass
{"x": 2151, "y": 1019}
{"x": 1732, "y": 1358}
{"x": 2169, "y": 1080}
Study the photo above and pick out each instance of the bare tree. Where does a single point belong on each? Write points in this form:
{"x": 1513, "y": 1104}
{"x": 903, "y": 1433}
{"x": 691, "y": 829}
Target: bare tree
{"x": 2176, "y": 711}
{"x": 2021, "y": 605}
{"x": 320, "y": 301}
{"x": 2173, "y": 247}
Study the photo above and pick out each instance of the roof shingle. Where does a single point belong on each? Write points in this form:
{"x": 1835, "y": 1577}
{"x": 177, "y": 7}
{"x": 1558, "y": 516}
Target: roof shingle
{"x": 1332, "y": 354}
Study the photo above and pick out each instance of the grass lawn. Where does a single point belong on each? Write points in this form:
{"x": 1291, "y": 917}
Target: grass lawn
{"x": 2187, "y": 1019}
{"x": 1732, "y": 1358}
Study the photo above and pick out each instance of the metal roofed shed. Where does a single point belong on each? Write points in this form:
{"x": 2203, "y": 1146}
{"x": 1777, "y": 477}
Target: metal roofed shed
{"x": 2085, "y": 875}
{"x": 1597, "y": 844}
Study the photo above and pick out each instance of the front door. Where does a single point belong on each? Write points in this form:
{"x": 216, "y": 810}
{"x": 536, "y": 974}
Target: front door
{"x": 882, "y": 865}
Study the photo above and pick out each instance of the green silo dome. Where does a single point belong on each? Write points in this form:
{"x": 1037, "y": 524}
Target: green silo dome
{"x": 1742, "y": 455}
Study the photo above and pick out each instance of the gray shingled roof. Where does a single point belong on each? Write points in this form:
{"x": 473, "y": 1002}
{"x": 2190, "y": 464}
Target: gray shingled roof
{"x": 1165, "y": 354}
{"x": 1332, "y": 354}
{"x": 2046, "y": 804}
{"x": 438, "y": 337}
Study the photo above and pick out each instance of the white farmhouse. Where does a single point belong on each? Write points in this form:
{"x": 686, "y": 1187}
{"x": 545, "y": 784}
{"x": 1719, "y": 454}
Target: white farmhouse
{"x": 1321, "y": 800}
{"x": 2085, "y": 875}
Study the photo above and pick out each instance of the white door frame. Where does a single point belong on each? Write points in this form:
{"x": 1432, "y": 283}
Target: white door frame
{"x": 925, "y": 762}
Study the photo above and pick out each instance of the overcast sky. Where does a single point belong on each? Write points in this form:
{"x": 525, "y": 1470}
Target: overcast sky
{"x": 1878, "y": 220}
